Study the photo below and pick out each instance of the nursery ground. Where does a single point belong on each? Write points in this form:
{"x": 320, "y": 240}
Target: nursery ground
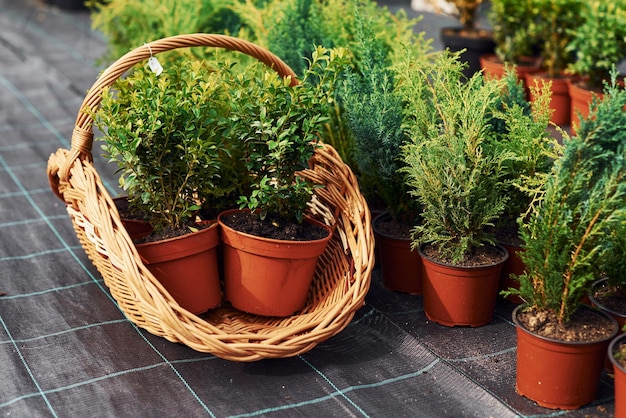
{"x": 66, "y": 350}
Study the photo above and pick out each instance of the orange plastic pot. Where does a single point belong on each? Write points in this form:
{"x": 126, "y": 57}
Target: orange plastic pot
{"x": 620, "y": 377}
{"x": 580, "y": 102}
{"x": 558, "y": 374}
{"x": 494, "y": 68}
{"x": 136, "y": 228}
{"x": 187, "y": 267}
{"x": 512, "y": 266}
{"x": 266, "y": 276}
{"x": 401, "y": 267}
{"x": 460, "y": 296}
{"x": 620, "y": 317}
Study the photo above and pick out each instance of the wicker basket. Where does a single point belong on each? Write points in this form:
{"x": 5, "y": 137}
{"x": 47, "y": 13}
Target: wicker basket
{"x": 343, "y": 273}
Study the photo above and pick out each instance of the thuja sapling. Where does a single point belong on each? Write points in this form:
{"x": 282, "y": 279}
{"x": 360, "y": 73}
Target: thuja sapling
{"x": 584, "y": 198}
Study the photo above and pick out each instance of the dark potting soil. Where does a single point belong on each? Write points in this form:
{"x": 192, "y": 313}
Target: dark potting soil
{"x": 168, "y": 233}
{"x": 508, "y": 234}
{"x": 481, "y": 256}
{"x": 584, "y": 325}
{"x": 393, "y": 229}
{"x": 611, "y": 297}
{"x": 274, "y": 228}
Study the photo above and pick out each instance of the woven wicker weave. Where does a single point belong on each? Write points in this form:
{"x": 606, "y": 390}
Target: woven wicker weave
{"x": 343, "y": 274}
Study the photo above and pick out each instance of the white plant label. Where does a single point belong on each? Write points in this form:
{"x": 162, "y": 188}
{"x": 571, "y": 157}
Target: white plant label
{"x": 155, "y": 65}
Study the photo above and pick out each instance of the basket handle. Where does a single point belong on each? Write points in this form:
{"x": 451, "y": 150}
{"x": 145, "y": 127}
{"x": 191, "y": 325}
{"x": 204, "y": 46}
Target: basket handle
{"x": 82, "y": 135}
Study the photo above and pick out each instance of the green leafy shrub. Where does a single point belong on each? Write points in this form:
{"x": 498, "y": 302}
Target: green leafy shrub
{"x": 555, "y": 26}
{"x": 450, "y": 169}
{"x": 373, "y": 113}
{"x": 280, "y": 125}
{"x": 520, "y": 129}
{"x": 511, "y": 21}
{"x": 303, "y": 24}
{"x": 584, "y": 197}
{"x": 166, "y": 134}
{"x": 128, "y": 24}
{"x": 600, "y": 41}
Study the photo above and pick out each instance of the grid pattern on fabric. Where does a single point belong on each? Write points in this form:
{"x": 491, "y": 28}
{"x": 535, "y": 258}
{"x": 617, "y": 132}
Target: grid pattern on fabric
{"x": 66, "y": 350}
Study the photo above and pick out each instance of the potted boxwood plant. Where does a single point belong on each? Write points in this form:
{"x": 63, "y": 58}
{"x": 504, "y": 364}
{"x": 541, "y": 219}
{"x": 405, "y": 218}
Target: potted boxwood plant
{"x": 583, "y": 198}
{"x": 372, "y": 110}
{"x": 556, "y": 23}
{"x": 599, "y": 44}
{"x": 511, "y": 23}
{"x": 164, "y": 132}
{"x": 271, "y": 249}
{"x": 459, "y": 181}
{"x": 469, "y": 39}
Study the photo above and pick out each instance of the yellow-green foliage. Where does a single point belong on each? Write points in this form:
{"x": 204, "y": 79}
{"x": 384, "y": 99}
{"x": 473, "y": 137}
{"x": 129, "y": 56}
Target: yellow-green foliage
{"x": 451, "y": 169}
{"x": 128, "y": 24}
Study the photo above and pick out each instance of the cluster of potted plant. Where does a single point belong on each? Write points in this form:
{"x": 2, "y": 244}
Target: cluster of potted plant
{"x": 511, "y": 22}
{"x": 452, "y": 159}
{"x": 554, "y": 28}
{"x": 570, "y": 43}
{"x": 172, "y": 134}
{"x": 599, "y": 44}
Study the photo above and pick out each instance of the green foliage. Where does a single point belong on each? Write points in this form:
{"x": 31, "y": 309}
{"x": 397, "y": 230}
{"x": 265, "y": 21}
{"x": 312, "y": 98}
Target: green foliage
{"x": 511, "y": 21}
{"x": 303, "y": 24}
{"x": 520, "y": 130}
{"x": 165, "y": 133}
{"x": 373, "y": 114}
{"x": 555, "y": 27}
{"x": 451, "y": 170}
{"x": 584, "y": 198}
{"x": 128, "y": 24}
{"x": 614, "y": 254}
{"x": 600, "y": 41}
{"x": 298, "y": 30}
{"x": 280, "y": 130}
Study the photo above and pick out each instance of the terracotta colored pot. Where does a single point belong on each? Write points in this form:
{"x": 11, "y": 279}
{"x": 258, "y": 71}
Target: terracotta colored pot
{"x": 187, "y": 267}
{"x": 620, "y": 378}
{"x": 512, "y": 266}
{"x": 473, "y": 47}
{"x": 620, "y": 317}
{"x": 558, "y": 374}
{"x": 460, "y": 295}
{"x": 266, "y": 276}
{"x": 374, "y": 213}
{"x": 560, "y": 102}
{"x": 137, "y": 229}
{"x": 580, "y": 100}
{"x": 493, "y": 67}
{"x": 401, "y": 267}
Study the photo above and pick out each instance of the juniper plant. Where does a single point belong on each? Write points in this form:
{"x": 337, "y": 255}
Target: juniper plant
{"x": 584, "y": 198}
{"x": 450, "y": 168}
